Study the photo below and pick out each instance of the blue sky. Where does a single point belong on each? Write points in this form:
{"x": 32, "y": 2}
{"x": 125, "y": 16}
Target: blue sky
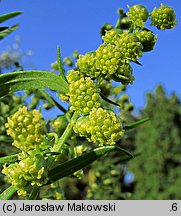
{"x": 75, "y": 25}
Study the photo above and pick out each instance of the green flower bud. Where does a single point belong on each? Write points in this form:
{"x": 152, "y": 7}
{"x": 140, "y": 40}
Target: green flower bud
{"x": 125, "y": 23}
{"x": 100, "y": 126}
{"x": 80, "y": 149}
{"x": 74, "y": 75}
{"x": 163, "y": 17}
{"x": 81, "y": 125}
{"x": 59, "y": 124}
{"x": 131, "y": 47}
{"x": 129, "y": 107}
{"x": 86, "y": 64}
{"x": 124, "y": 99}
{"x": 27, "y": 128}
{"x": 84, "y": 95}
{"x": 108, "y": 58}
{"x": 147, "y": 39}
{"x": 104, "y": 127}
{"x": 31, "y": 169}
{"x": 112, "y": 36}
{"x": 68, "y": 61}
{"x": 75, "y": 54}
{"x": 124, "y": 74}
{"x": 105, "y": 28}
{"x": 138, "y": 14}
{"x": 54, "y": 65}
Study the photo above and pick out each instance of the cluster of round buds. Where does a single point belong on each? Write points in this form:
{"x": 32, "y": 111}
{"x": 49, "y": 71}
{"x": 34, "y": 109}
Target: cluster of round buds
{"x": 27, "y": 128}
{"x": 108, "y": 58}
{"x": 73, "y": 75}
{"x": 130, "y": 45}
{"x": 80, "y": 149}
{"x": 138, "y": 14}
{"x": 124, "y": 74}
{"x": 163, "y": 17}
{"x": 147, "y": 39}
{"x": 86, "y": 64}
{"x": 84, "y": 95}
{"x": 59, "y": 124}
{"x": 112, "y": 36}
{"x": 31, "y": 169}
{"x": 101, "y": 127}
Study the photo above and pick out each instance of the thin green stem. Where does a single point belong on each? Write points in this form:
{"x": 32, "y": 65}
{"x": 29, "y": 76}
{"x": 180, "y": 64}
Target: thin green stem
{"x": 57, "y": 147}
{"x": 62, "y": 140}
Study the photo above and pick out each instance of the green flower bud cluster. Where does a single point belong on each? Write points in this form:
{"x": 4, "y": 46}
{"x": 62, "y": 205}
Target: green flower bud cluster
{"x": 138, "y": 14}
{"x": 163, "y": 17}
{"x": 125, "y": 107}
{"x": 30, "y": 171}
{"x": 59, "y": 124}
{"x": 108, "y": 58}
{"x": 86, "y": 64}
{"x": 84, "y": 95}
{"x": 27, "y": 128}
{"x": 124, "y": 74}
{"x": 147, "y": 39}
{"x": 101, "y": 126}
{"x": 131, "y": 47}
{"x": 128, "y": 44}
{"x": 112, "y": 36}
{"x": 73, "y": 75}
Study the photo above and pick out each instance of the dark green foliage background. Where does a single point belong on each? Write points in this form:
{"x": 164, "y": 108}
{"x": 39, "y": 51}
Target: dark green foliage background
{"x": 157, "y": 170}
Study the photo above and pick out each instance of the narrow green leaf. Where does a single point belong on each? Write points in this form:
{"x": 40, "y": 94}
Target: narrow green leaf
{"x": 126, "y": 158}
{"x": 71, "y": 166}
{"x": 30, "y": 80}
{"x": 134, "y": 124}
{"x": 121, "y": 150}
{"x": 7, "y": 31}
{"x": 137, "y": 62}
{"x": 60, "y": 64}
{"x": 7, "y": 16}
{"x": 7, "y": 194}
{"x": 9, "y": 159}
{"x": 3, "y": 28}
{"x": 108, "y": 100}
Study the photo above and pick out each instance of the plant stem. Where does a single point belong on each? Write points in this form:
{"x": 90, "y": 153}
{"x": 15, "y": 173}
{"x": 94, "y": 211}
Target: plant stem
{"x": 57, "y": 147}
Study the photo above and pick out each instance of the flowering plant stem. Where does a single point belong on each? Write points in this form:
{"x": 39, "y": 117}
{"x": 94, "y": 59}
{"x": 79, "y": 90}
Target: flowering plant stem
{"x": 61, "y": 141}
{"x": 57, "y": 147}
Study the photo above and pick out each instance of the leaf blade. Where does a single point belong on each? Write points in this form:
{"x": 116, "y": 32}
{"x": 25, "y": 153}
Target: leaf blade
{"x": 134, "y": 124}
{"x": 71, "y": 166}
{"x": 8, "y": 16}
{"x": 8, "y": 31}
{"x": 7, "y": 194}
{"x": 9, "y": 159}
{"x": 29, "y": 80}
